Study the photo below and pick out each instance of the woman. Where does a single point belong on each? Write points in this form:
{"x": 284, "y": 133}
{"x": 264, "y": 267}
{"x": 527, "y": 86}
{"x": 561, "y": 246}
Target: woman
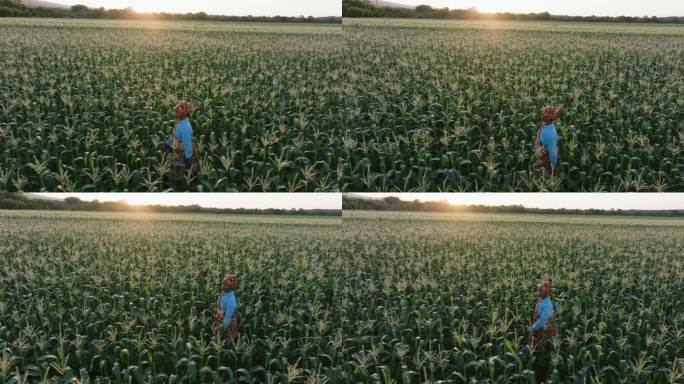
{"x": 543, "y": 330}
{"x": 547, "y": 140}
{"x": 225, "y": 323}
{"x": 181, "y": 142}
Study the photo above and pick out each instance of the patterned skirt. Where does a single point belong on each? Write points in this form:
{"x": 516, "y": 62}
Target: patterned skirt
{"x": 179, "y": 161}
{"x": 544, "y": 335}
{"x": 544, "y": 162}
{"x": 229, "y": 332}
{"x": 232, "y": 330}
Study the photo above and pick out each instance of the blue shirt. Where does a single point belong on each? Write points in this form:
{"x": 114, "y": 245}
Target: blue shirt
{"x": 549, "y": 139}
{"x": 228, "y": 306}
{"x": 184, "y": 135}
{"x": 545, "y": 311}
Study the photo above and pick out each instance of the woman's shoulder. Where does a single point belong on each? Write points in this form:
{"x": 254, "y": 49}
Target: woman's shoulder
{"x": 548, "y": 130}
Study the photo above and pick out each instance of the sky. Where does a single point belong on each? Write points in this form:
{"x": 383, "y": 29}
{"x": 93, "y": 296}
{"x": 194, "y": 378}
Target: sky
{"x": 315, "y": 8}
{"x": 565, "y": 7}
{"x": 217, "y": 200}
{"x": 606, "y": 201}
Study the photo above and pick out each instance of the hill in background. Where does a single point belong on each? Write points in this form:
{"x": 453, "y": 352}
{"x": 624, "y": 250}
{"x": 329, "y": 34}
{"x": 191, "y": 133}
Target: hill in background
{"x": 44, "y": 4}
{"x": 390, "y": 4}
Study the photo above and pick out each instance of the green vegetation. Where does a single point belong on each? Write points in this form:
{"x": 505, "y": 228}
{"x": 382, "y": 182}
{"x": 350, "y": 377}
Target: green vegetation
{"x": 365, "y": 8}
{"x": 14, "y": 8}
{"x": 87, "y": 103}
{"x": 454, "y": 106}
{"x": 385, "y": 297}
{"x": 17, "y": 201}
{"x": 352, "y": 202}
{"x": 451, "y": 296}
{"x": 11, "y": 8}
{"x": 388, "y": 105}
{"x": 129, "y": 297}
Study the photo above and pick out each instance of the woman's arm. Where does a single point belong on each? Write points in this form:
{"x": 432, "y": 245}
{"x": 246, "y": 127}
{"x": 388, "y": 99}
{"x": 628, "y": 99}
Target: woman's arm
{"x": 173, "y": 133}
{"x": 537, "y": 141}
{"x": 186, "y": 139}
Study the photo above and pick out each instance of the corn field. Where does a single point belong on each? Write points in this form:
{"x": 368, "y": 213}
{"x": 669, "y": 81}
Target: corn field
{"x": 454, "y": 106}
{"x": 85, "y": 105}
{"x": 439, "y": 297}
{"x": 374, "y": 106}
{"x": 130, "y": 298}
{"x": 379, "y": 298}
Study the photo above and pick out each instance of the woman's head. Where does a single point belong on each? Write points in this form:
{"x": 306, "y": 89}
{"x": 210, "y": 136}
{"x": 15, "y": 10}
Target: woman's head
{"x": 229, "y": 283}
{"x": 550, "y": 114}
{"x": 545, "y": 289}
{"x": 183, "y": 109}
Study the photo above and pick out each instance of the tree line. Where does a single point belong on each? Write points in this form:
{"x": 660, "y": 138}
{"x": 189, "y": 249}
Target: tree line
{"x": 395, "y": 204}
{"x": 18, "y": 201}
{"x": 362, "y": 8}
{"x": 13, "y": 8}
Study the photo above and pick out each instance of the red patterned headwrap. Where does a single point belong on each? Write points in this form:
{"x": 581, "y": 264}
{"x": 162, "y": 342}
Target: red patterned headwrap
{"x": 184, "y": 107}
{"x": 550, "y": 114}
{"x": 546, "y": 288}
{"x": 229, "y": 283}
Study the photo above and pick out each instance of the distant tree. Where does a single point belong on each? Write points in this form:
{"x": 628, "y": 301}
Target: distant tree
{"x": 7, "y": 11}
{"x": 355, "y": 12}
{"x": 72, "y": 200}
{"x": 423, "y": 9}
{"x": 78, "y": 8}
{"x": 392, "y": 201}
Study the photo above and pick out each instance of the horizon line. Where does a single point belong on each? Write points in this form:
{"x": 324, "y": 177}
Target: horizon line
{"x": 71, "y": 4}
